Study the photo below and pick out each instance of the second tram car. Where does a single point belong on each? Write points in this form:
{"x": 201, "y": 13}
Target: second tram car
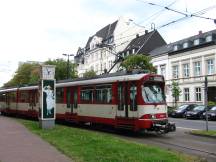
{"x": 135, "y": 102}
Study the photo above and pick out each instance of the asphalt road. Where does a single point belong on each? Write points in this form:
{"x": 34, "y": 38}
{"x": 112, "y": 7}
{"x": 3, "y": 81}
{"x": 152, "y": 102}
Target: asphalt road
{"x": 181, "y": 140}
{"x": 193, "y": 124}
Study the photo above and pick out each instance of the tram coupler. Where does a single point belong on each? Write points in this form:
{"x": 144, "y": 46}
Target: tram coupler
{"x": 164, "y": 128}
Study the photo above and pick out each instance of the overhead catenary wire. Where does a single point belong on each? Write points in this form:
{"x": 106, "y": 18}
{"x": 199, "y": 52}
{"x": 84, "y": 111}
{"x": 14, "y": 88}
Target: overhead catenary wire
{"x": 148, "y": 18}
{"x": 176, "y": 11}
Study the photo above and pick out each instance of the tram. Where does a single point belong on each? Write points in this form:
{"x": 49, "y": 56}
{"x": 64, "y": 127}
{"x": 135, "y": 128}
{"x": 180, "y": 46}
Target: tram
{"x": 125, "y": 101}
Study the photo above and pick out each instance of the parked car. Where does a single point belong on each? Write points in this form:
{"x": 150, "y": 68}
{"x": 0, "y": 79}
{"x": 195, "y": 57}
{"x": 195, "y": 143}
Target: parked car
{"x": 181, "y": 110}
{"x": 211, "y": 114}
{"x": 197, "y": 112}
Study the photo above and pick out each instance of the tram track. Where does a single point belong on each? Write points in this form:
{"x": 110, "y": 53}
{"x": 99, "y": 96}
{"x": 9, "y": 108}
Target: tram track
{"x": 186, "y": 147}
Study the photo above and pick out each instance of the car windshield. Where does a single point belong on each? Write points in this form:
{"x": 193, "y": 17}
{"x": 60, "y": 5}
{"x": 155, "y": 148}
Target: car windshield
{"x": 153, "y": 93}
{"x": 199, "y": 108}
{"x": 213, "y": 108}
{"x": 182, "y": 107}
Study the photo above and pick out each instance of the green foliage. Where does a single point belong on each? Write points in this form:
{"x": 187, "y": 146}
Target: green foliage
{"x": 27, "y": 73}
{"x": 89, "y": 146}
{"x": 176, "y": 91}
{"x": 89, "y": 74}
{"x": 61, "y": 69}
{"x": 211, "y": 133}
{"x": 138, "y": 62}
{"x": 211, "y": 103}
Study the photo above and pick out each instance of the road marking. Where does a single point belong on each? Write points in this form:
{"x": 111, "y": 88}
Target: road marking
{"x": 187, "y": 128}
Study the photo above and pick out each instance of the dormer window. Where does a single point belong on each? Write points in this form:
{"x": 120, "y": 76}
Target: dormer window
{"x": 198, "y": 41}
{"x": 209, "y": 38}
{"x": 110, "y": 40}
{"x": 176, "y": 47}
{"x": 185, "y": 45}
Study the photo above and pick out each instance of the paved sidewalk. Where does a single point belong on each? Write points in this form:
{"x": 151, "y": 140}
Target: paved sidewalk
{"x": 17, "y": 144}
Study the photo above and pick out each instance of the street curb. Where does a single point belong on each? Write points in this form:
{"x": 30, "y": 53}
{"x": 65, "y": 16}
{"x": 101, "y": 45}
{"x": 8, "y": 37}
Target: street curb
{"x": 201, "y": 135}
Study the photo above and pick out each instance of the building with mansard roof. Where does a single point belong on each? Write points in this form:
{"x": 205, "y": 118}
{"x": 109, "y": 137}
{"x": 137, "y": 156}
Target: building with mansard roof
{"x": 187, "y": 62}
{"x": 102, "y": 48}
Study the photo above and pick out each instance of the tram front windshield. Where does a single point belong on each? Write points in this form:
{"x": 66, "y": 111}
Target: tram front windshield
{"x": 153, "y": 93}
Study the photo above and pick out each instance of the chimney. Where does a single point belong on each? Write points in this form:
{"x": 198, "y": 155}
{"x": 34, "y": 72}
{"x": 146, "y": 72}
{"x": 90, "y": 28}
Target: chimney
{"x": 200, "y": 32}
{"x": 137, "y": 35}
{"x": 146, "y": 31}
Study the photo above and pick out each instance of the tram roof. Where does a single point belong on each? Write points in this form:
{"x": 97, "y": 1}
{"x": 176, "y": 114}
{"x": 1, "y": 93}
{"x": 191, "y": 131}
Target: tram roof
{"x": 105, "y": 78}
{"x": 101, "y": 80}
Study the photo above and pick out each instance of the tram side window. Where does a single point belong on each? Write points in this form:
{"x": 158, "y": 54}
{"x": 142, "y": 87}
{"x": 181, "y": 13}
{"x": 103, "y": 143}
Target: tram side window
{"x": 75, "y": 98}
{"x": 24, "y": 96}
{"x": 87, "y": 94}
{"x": 59, "y": 95}
{"x": 12, "y": 96}
{"x": 2, "y": 97}
{"x": 103, "y": 94}
{"x": 133, "y": 96}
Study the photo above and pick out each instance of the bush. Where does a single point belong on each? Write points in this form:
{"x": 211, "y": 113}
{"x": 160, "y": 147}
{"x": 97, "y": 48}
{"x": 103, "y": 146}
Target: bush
{"x": 211, "y": 103}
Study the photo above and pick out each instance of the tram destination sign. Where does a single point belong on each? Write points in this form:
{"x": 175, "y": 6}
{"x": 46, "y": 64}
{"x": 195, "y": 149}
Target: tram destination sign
{"x": 156, "y": 78}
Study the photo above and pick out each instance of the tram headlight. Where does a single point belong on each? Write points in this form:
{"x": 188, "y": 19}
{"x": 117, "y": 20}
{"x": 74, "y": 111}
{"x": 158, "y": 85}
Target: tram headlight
{"x": 153, "y": 116}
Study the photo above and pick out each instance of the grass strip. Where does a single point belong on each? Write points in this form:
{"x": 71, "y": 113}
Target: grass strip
{"x": 89, "y": 146}
{"x": 211, "y": 133}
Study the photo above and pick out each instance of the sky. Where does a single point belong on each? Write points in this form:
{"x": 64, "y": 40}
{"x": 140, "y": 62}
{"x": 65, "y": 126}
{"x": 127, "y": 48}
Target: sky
{"x": 38, "y": 30}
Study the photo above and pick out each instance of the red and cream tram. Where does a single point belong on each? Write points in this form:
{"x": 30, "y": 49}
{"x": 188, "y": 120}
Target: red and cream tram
{"x": 128, "y": 101}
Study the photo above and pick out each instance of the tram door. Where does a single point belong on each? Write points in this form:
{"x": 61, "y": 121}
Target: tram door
{"x": 71, "y": 99}
{"x": 122, "y": 110}
{"x": 127, "y": 100}
{"x": 133, "y": 113}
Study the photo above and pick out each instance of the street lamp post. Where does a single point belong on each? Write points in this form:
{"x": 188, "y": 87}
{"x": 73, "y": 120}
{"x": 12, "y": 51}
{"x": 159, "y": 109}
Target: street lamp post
{"x": 68, "y": 65}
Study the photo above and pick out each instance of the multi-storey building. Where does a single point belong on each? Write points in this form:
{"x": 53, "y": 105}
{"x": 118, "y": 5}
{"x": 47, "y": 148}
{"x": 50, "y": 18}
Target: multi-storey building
{"x": 188, "y": 61}
{"x": 101, "y": 49}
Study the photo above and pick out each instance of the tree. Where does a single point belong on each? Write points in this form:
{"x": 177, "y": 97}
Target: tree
{"x": 138, "y": 62}
{"x": 27, "y": 73}
{"x": 176, "y": 91}
{"x": 61, "y": 69}
{"x": 89, "y": 74}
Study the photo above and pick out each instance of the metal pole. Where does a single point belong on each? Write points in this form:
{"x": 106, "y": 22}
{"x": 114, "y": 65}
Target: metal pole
{"x": 206, "y": 101}
{"x": 68, "y": 67}
{"x": 68, "y": 64}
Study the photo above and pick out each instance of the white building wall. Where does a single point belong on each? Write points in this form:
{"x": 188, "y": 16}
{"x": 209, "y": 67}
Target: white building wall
{"x": 192, "y": 82}
{"x": 124, "y": 32}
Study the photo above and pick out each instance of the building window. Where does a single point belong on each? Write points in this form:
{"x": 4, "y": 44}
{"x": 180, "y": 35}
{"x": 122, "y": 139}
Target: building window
{"x": 163, "y": 70}
{"x": 185, "y": 45}
{"x": 196, "y": 42}
{"x": 175, "y": 72}
{"x": 209, "y": 38}
{"x": 186, "y": 70}
{"x": 210, "y": 66}
{"x": 197, "y": 68}
{"x": 176, "y": 47}
{"x": 186, "y": 94}
{"x": 198, "y": 94}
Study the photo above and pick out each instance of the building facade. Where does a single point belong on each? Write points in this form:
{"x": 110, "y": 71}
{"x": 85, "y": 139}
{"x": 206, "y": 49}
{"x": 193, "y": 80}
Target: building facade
{"x": 187, "y": 62}
{"x": 103, "y": 47}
